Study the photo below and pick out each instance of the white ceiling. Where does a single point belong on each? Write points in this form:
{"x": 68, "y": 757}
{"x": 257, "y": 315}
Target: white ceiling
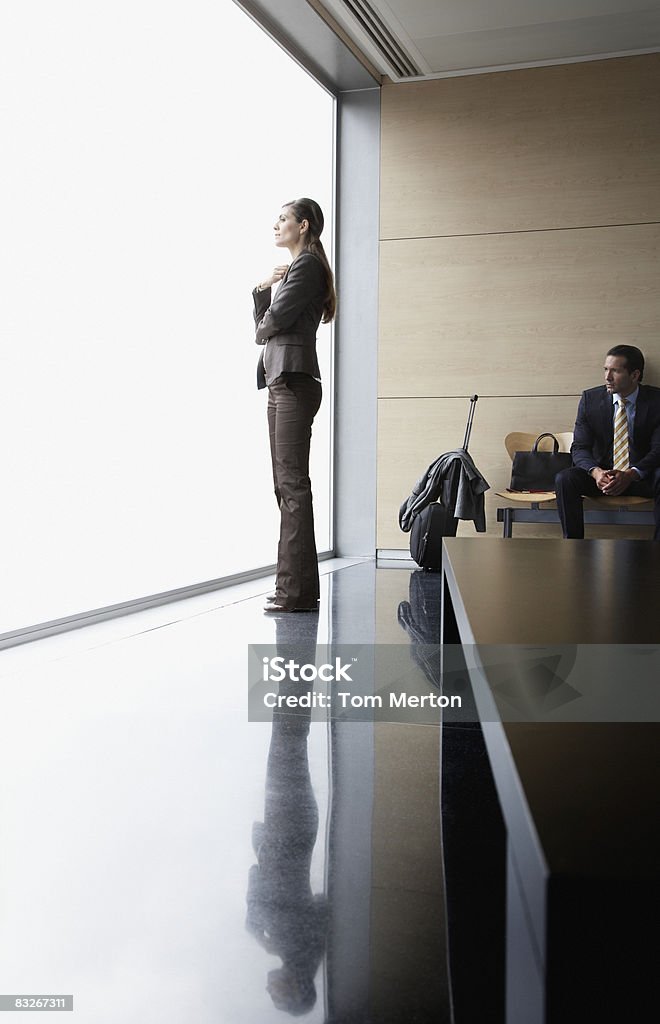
{"x": 449, "y": 37}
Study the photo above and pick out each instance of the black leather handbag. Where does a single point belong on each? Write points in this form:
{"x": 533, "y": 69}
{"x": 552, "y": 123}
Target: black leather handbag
{"x": 535, "y": 470}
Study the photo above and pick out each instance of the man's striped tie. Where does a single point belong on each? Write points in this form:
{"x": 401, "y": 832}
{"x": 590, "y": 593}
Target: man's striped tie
{"x": 621, "y": 436}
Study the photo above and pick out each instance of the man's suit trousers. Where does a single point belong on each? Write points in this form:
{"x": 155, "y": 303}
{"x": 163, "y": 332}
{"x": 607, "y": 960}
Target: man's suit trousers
{"x": 293, "y": 401}
{"x": 574, "y": 483}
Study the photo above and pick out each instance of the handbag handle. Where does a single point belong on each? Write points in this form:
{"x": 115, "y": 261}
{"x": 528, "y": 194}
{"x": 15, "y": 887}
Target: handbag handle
{"x": 555, "y": 447}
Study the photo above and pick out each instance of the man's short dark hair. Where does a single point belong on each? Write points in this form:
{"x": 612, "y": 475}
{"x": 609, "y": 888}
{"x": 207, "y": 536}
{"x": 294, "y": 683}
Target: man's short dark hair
{"x": 633, "y": 357}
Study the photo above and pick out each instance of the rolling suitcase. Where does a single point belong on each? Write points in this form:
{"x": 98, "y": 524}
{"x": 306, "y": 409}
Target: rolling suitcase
{"x": 429, "y": 527}
{"x": 437, "y": 520}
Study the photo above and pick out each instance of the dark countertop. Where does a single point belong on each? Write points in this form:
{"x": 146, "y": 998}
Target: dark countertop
{"x": 557, "y": 591}
{"x": 592, "y": 789}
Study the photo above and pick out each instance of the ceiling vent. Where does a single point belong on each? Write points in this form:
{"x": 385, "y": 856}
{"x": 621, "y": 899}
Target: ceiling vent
{"x": 365, "y": 22}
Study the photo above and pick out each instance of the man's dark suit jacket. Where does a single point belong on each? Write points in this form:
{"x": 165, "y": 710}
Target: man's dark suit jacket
{"x": 289, "y": 323}
{"x": 593, "y": 437}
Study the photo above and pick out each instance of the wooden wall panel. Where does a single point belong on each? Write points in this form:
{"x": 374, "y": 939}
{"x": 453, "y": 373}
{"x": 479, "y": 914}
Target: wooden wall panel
{"x": 515, "y": 314}
{"x": 520, "y": 239}
{"x": 564, "y": 146}
{"x": 414, "y": 432}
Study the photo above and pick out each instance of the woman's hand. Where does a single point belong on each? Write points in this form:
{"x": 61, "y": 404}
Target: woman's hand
{"x": 277, "y": 275}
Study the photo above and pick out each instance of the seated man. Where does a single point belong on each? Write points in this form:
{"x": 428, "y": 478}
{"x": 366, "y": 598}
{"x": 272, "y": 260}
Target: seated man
{"x": 616, "y": 442}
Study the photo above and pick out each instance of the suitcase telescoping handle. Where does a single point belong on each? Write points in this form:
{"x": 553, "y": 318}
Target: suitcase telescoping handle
{"x": 468, "y": 429}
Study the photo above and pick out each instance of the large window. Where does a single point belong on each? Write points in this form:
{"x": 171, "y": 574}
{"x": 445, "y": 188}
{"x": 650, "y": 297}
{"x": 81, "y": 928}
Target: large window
{"x": 147, "y": 149}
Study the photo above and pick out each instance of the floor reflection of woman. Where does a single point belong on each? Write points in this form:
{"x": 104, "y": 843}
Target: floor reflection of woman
{"x": 283, "y": 913}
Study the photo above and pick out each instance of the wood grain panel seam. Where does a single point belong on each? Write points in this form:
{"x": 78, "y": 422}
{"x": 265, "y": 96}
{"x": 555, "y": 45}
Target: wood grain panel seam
{"x": 522, "y": 231}
{"x": 435, "y": 398}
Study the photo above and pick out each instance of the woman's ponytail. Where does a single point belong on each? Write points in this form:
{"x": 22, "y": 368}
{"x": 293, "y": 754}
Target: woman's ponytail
{"x": 309, "y": 210}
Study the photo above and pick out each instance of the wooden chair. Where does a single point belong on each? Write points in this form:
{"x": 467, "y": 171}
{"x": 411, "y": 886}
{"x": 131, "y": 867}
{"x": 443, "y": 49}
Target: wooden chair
{"x": 525, "y": 508}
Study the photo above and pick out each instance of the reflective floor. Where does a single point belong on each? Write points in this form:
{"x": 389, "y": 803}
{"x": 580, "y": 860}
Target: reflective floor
{"x": 164, "y": 859}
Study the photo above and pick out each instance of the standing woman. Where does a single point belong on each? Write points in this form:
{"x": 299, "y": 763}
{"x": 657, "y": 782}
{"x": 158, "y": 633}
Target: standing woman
{"x": 288, "y": 367}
